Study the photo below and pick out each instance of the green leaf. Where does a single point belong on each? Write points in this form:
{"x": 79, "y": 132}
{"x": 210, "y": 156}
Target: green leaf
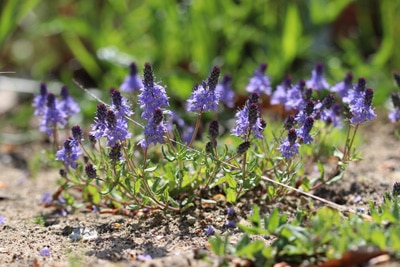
{"x": 94, "y": 194}
{"x": 336, "y": 178}
{"x": 273, "y": 221}
{"x": 151, "y": 169}
{"x": 230, "y": 195}
{"x": 378, "y": 238}
{"x": 217, "y": 245}
{"x": 251, "y": 249}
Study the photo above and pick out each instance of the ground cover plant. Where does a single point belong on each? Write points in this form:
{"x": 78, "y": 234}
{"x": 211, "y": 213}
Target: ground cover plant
{"x": 139, "y": 156}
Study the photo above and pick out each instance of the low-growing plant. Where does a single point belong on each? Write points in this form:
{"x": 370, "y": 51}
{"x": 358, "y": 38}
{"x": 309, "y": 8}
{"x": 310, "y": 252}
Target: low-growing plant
{"x": 325, "y": 235}
{"x": 152, "y": 159}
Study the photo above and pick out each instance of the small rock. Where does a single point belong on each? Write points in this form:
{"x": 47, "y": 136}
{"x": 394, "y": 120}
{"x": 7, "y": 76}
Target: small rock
{"x": 83, "y": 233}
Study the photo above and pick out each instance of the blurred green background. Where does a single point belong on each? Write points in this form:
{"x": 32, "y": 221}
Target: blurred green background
{"x": 94, "y": 41}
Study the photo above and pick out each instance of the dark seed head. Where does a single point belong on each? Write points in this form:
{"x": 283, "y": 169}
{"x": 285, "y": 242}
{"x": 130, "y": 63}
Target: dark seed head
{"x": 76, "y": 132}
{"x": 289, "y": 122}
{"x": 213, "y": 129}
{"x": 243, "y": 147}
{"x": 213, "y": 78}
{"x": 253, "y": 114}
{"x": 90, "y": 171}
{"x": 133, "y": 70}
{"x": 292, "y": 136}
{"x": 148, "y": 75}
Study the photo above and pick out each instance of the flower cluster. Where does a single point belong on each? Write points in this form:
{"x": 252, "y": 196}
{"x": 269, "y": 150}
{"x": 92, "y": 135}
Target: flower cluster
{"x": 53, "y": 112}
{"x": 152, "y": 99}
{"x": 260, "y": 83}
{"x": 248, "y": 120}
{"x": 205, "y": 97}
{"x": 132, "y": 83}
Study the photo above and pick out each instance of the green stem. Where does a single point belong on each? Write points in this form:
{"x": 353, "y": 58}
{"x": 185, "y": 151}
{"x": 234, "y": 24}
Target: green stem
{"x": 196, "y": 128}
{"x": 148, "y": 190}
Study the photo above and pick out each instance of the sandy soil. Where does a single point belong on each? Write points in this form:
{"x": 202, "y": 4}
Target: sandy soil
{"x": 115, "y": 240}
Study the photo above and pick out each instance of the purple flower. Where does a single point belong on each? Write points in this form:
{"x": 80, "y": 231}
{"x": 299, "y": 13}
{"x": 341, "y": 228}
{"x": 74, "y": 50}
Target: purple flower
{"x": 248, "y": 120}
{"x": 69, "y": 153}
{"x": 362, "y": 111}
{"x": 45, "y": 252}
{"x": 39, "y": 102}
{"x": 280, "y": 96}
{"x": 117, "y": 129}
{"x": 47, "y": 198}
{"x": 100, "y": 122}
{"x": 317, "y": 81}
{"x": 260, "y": 82}
{"x": 67, "y": 104}
{"x": 230, "y": 224}
{"x": 295, "y": 99}
{"x": 230, "y": 211}
{"x": 308, "y": 110}
{"x": 304, "y": 131}
{"x": 289, "y": 147}
{"x": 210, "y": 230}
{"x": 2, "y": 220}
{"x": 132, "y": 82}
{"x": 119, "y": 104}
{"x": 355, "y": 94}
{"x": 394, "y": 115}
{"x": 154, "y": 131}
{"x": 152, "y": 95}
{"x": 52, "y": 116}
{"x": 63, "y": 213}
{"x": 344, "y": 86}
{"x": 204, "y": 96}
{"x": 224, "y": 91}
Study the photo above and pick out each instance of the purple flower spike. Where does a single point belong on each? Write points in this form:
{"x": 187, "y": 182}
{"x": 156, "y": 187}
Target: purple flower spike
{"x": 289, "y": 148}
{"x": 295, "y": 98}
{"x": 344, "y": 86}
{"x": 117, "y": 129}
{"x": 67, "y": 104}
{"x": 132, "y": 82}
{"x": 304, "y": 131}
{"x": 260, "y": 83}
{"x": 39, "y": 102}
{"x": 289, "y": 122}
{"x": 224, "y": 91}
{"x": 152, "y": 95}
{"x": 52, "y": 116}
{"x": 154, "y": 131}
{"x": 354, "y": 95}
{"x": 317, "y": 81}
{"x": 249, "y": 121}
{"x": 69, "y": 153}
{"x": 362, "y": 110}
{"x": 280, "y": 96}
{"x": 100, "y": 125}
{"x": 119, "y": 104}
{"x": 204, "y": 96}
